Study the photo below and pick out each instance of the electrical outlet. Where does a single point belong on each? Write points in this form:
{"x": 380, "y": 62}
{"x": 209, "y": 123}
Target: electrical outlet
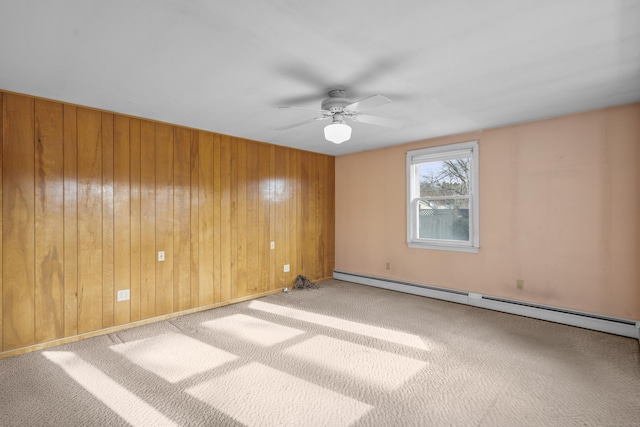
{"x": 287, "y": 268}
{"x": 519, "y": 283}
{"x": 123, "y": 295}
{"x": 388, "y": 265}
{"x": 160, "y": 255}
{"x": 273, "y": 245}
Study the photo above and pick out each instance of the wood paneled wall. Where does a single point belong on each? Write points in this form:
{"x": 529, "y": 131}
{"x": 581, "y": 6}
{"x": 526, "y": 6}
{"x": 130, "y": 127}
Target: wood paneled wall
{"x": 88, "y": 198}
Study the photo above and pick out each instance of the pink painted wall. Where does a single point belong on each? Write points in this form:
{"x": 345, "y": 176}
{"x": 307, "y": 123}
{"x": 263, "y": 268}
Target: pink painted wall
{"x": 559, "y": 208}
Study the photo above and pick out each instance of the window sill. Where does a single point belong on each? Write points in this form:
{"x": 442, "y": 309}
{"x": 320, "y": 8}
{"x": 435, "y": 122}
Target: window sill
{"x": 453, "y": 248}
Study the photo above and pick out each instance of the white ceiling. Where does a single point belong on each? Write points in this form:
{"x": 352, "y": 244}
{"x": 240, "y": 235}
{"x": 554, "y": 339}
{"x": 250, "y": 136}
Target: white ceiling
{"x": 449, "y": 66}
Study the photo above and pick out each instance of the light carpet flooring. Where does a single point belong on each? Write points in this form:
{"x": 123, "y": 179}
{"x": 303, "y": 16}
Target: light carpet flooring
{"x": 343, "y": 354}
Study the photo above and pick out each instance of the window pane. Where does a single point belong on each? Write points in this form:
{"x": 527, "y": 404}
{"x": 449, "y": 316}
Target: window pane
{"x": 443, "y": 219}
{"x": 445, "y": 177}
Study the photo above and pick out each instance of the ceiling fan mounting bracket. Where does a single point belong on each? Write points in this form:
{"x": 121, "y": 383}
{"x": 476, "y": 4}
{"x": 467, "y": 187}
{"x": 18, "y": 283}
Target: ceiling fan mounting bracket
{"x": 337, "y": 93}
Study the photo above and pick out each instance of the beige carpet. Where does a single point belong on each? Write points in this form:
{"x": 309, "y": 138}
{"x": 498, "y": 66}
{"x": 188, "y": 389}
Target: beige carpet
{"x": 343, "y": 354}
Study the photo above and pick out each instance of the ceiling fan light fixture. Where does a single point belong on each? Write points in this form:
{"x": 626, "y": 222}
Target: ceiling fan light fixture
{"x": 337, "y": 132}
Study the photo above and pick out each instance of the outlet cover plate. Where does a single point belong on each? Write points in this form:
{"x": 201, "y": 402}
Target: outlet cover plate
{"x": 123, "y": 295}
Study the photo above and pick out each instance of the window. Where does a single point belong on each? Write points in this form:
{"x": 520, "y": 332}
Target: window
{"x": 442, "y": 197}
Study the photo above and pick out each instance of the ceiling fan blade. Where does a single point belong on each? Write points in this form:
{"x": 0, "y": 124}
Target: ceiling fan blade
{"x": 368, "y": 102}
{"x": 378, "y": 121}
{"x": 304, "y": 122}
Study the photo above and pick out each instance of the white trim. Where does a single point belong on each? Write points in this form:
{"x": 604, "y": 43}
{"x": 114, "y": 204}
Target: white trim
{"x": 617, "y": 326}
{"x": 431, "y": 155}
{"x": 444, "y": 247}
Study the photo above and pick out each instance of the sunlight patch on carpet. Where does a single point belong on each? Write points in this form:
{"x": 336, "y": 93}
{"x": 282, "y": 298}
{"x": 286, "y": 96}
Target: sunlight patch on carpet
{"x": 258, "y": 395}
{"x": 358, "y": 362}
{"x": 252, "y": 330}
{"x": 342, "y": 324}
{"x": 127, "y": 405}
{"x": 172, "y": 356}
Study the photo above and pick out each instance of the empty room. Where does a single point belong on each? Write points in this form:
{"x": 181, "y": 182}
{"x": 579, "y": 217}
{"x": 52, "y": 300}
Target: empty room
{"x": 297, "y": 213}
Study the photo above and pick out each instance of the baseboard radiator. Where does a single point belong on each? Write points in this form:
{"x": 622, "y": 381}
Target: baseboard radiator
{"x": 611, "y": 325}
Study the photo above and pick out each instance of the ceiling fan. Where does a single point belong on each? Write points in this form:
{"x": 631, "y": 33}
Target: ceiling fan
{"x": 338, "y": 108}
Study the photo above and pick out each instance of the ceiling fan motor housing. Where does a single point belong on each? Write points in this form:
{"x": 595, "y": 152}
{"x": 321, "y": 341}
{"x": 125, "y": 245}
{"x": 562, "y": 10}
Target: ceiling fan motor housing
{"x": 336, "y": 102}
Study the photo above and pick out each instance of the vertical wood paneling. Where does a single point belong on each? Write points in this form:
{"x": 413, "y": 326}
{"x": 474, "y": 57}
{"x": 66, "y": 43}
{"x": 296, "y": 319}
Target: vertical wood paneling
{"x": 70, "y": 221}
{"x": 253, "y": 201}
{"x": 49, "y": 221}
{"x": 290, "y": 220}
{"x": 319, "y": 164}
{"x": 303, "y": 213}
{"x": 264, "y": 221}
{"x": 225, "y": 218}
{"x": 164, "y": 218}
{"x": 89, "y": 197}
{"x": 206, "y": 225}
{"x": 241, "y": 225}
{"x": 182, "y": 219}
{"x": 18, "y": 290}
{"x": 136, "y": 221}
{"x": 317, "y": 223}
{"x": 90, "y": 289}
{"x": 311, "y": 250}
{"x": 311, "y": 244}
{"x": 216, "y": 218}
{"x": 294, "y": 236}
{"x": 122, "y": 216}
{"x": 281, "y": 209}
{"x": 233, "y": 289}
{"x": 329, "y": 217}
{"x": 304, "y": 233}
{"x": 147, "y": 219}
{"x": 272, "y": 217}
{"x": 284, "y": 224}
{"x": 108, "y": 293}
{"x": 195, "y": 219}
{"x": 314, "y": 227}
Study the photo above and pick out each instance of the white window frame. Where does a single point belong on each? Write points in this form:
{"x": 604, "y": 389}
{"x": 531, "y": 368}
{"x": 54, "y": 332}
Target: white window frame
{"x": 443, "y": 152}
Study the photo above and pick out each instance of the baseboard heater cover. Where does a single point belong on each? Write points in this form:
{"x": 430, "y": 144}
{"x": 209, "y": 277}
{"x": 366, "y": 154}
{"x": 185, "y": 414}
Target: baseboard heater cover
{"x": 611, "y": 325}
